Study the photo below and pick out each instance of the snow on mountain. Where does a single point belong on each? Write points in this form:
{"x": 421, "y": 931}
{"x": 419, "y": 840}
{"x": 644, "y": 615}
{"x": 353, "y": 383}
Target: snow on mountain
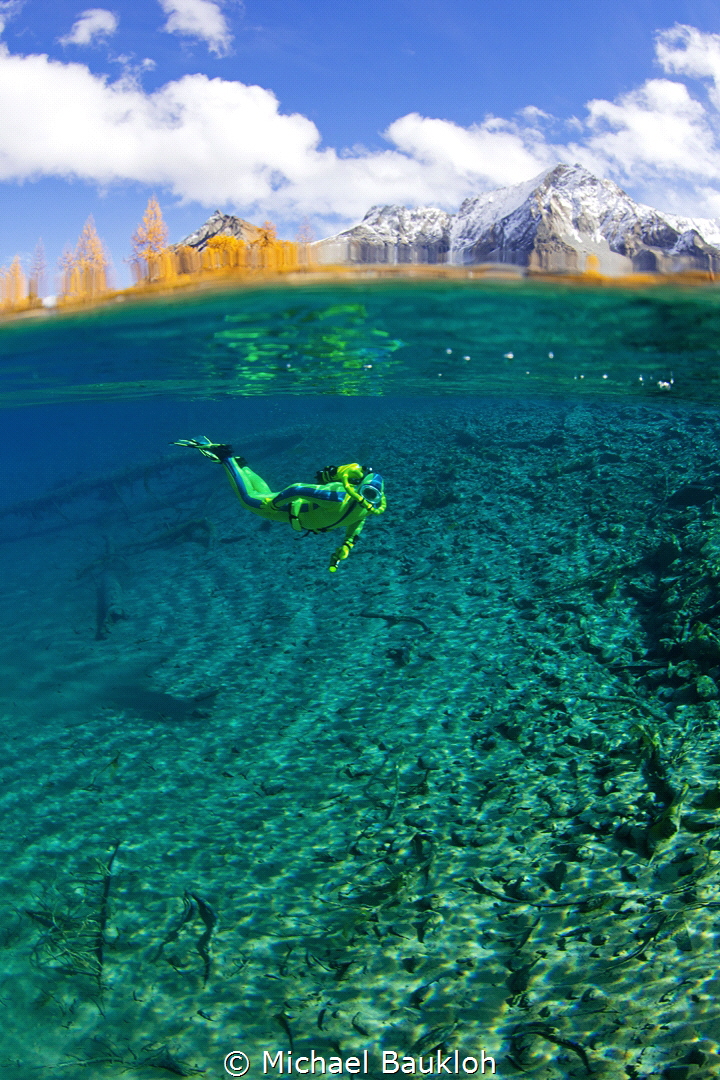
{"x": 423, "y": 224}
{"x": 392, "y": 234}
{"x": 552, "y": 222}
{"x": 219, "y": 224}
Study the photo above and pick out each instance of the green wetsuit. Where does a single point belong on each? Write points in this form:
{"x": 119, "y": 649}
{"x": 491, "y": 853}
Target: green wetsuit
{"x": 316, "y": 508}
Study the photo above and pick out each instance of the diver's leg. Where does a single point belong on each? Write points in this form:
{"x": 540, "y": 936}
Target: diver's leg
{"x": 253, "y": 482}
{"x": 251, "y": 490}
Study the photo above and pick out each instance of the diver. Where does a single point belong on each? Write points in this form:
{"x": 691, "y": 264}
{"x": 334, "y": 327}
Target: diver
{"x": 344, "y": 495}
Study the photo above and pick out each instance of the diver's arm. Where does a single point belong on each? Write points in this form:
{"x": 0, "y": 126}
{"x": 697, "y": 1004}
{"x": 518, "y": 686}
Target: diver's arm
{"x": 353, "y": 531}
{"x": 351, "y": 534}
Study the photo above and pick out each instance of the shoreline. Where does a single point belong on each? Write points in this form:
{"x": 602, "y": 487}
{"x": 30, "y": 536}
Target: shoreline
{"x": 219, "y": 281}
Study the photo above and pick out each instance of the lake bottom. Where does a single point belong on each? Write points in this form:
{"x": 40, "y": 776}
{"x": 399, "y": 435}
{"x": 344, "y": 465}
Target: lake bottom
{"x": 461, "y": 795}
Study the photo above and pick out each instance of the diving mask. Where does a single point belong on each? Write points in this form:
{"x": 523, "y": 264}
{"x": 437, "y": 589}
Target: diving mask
{"x": 371, "y": 488}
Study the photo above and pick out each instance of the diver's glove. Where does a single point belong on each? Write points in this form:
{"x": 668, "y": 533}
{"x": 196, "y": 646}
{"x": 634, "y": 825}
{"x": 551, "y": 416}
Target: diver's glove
{"x": 214, "y": 451}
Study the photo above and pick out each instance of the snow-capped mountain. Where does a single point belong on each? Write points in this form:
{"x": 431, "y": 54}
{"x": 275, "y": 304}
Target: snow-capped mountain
{"x": 553, "y": 222}
{"x": 392, "y": 234}
{"x": 219, "y": 224}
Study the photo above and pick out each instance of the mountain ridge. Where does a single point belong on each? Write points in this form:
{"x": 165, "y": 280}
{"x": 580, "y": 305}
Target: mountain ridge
{"x": 552, "y": 222}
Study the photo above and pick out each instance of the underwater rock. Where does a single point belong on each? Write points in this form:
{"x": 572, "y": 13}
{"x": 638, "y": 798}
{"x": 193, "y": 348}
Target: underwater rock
{"x": 108, "y": 605}
{"x": 684, "y": 695}
{"x": 695, "y": 824}
{"x": 709, "y": 800}
{"x": 436, "y": 498}
{"x": 667, "y": 551}
{"x": 197, "y": 531}
{"x": 153, "y": 705}
{"x": 555, "y": 877}
{"x": 702, "y": 645}
{"x": 400, "y": 656}
{"x": 706, "y": 688}
{"x": 164, "y": 1061}
{"x": 690, "y": 495}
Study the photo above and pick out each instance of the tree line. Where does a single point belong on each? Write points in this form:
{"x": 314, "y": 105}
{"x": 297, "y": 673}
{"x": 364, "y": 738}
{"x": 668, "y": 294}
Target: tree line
{"x": 85, "y": 275}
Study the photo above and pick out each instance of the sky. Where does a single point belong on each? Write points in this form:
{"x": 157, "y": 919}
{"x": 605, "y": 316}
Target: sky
{"x": 312, "y": 111}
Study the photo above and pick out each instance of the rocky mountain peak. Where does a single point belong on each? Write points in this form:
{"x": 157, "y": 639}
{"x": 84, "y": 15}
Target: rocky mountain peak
{"x": 551, "y": 222}
{"x": 219, "y": 224}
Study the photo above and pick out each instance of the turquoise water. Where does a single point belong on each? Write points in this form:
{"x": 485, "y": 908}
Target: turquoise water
{"x": 462, "y": 795}
{"x": 380, "y": 339}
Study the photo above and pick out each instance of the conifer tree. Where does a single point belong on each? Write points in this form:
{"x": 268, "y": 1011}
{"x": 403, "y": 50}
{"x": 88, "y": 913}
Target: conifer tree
{"x": 15, "y": 284}
{"x": 269, "y": 235}
{"x": 149, "y": 240}
{"x": 84, "y": 271}
{"x": 66, "y": 266}
{"x": 305, "y": 234}
{"x": 91, "y": 260}
{"x": 38, "y": 269}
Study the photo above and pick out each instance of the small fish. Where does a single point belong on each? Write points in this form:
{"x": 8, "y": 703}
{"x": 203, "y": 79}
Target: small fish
{"x": 108, "y": 605}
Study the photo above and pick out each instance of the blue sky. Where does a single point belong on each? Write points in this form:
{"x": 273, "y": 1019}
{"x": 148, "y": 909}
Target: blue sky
{"x": 317, "y": 109}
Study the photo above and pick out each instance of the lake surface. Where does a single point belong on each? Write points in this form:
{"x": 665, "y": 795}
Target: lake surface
{"x": 461, "y": 795}
{"x": 375, "y": 339}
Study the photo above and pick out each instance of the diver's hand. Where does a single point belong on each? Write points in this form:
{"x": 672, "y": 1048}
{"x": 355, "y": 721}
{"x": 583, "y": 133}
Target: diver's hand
{"x": 341, "y": 553}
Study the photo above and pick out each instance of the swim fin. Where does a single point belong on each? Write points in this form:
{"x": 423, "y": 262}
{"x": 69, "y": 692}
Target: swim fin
{"x": 214, "y": 451}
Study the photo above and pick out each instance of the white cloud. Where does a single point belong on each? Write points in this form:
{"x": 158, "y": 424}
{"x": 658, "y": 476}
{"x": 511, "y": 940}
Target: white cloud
{"x": 494, "y": 152}
{"x": 220, "y": 142}
{"x": 92, "y": 25}
{"x": 8, "y": 9}
{"x": 660, "y": 139}
{"x": 657, "y": 129}
{"x": 687, "y": 51}
{"x": 200, "y": 19}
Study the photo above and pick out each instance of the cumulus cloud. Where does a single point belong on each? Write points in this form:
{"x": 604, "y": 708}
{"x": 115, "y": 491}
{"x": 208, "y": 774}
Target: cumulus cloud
{"x": 199, "y": 19}
{"x": 217, "y": 141}
{"x": 684, "y": 50}
{"x": 494, "y": 152}
{"x": 220, "y": 142}
{"x": 95, "y": 24}
{"x": 658, "y": 129}
{"x": 662, "y": 138}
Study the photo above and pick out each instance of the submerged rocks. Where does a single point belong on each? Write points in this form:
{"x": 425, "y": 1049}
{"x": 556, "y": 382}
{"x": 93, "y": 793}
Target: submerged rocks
{"x": 706, "y": 688}
{"x": 690, "y": 495}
